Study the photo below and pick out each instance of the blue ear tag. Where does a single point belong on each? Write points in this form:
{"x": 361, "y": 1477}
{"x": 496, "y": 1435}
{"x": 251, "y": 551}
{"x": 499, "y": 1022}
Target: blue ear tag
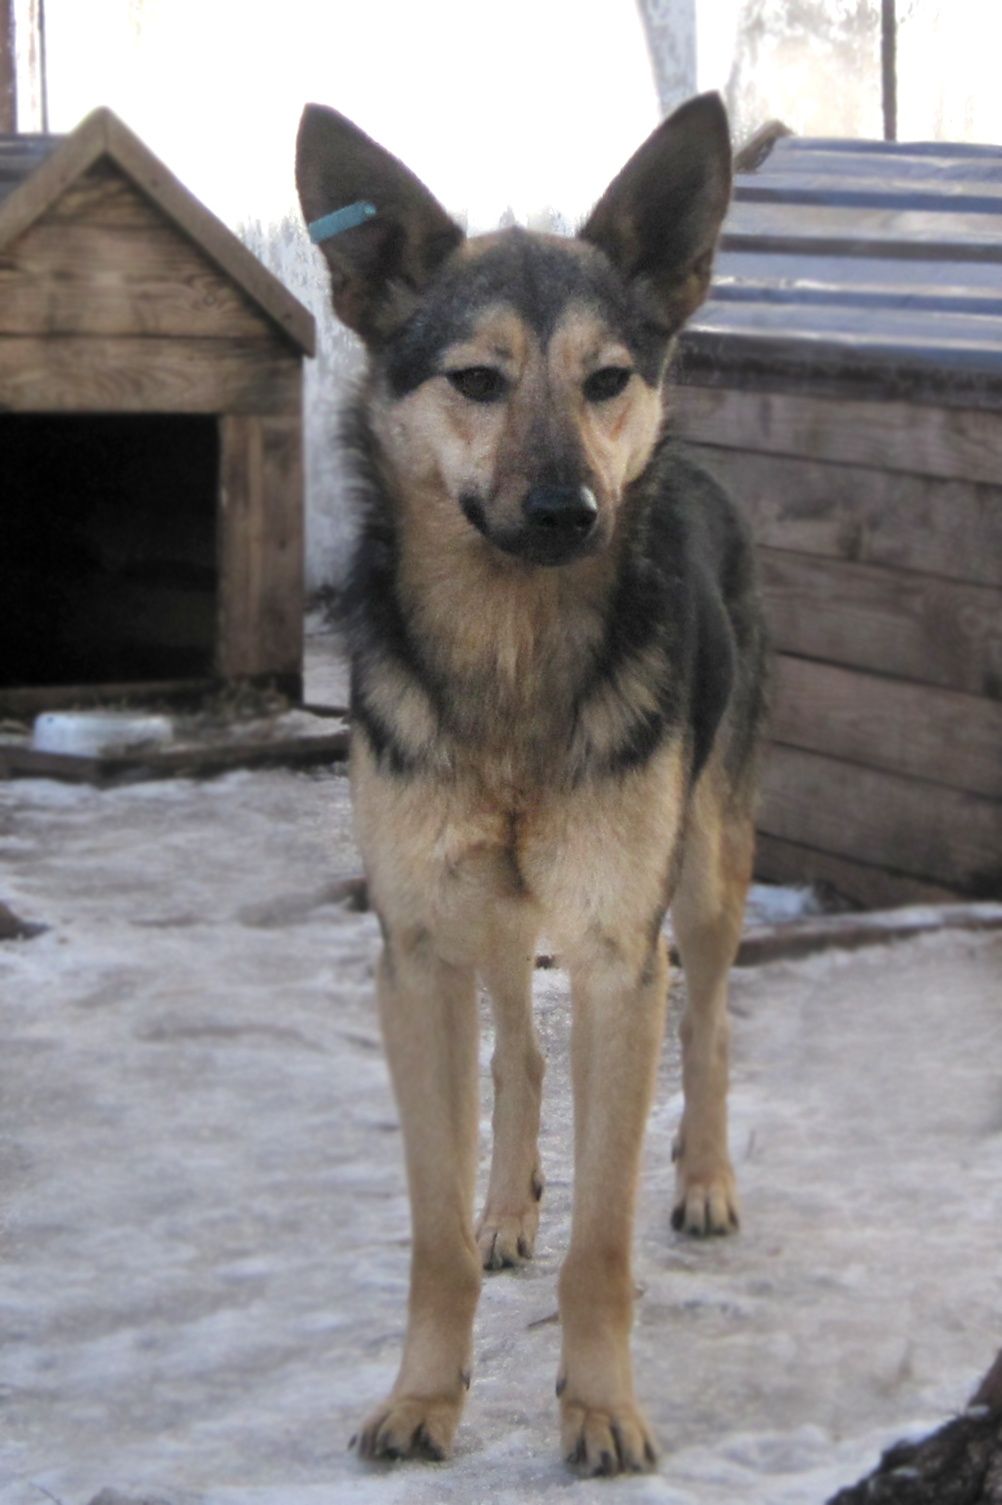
{"x": 341, "y": 219}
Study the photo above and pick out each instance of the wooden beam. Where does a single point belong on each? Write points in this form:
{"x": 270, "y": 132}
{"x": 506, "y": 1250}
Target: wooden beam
{"x": 864, "y": 515}
{"x": 941, "y": 836}
{"x": 65, "y": 374}
{"x": 75, "y": 278}
{"x": 261, "y": 548}
{"x": 781, "y": 861}
{"x": 927, "y": 733}
{"x": 932, "y": 441}
{"x": 892, "y": 622}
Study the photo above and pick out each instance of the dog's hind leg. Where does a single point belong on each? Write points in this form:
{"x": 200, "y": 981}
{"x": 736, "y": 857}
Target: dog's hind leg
{"x": 430, "y": 1026}
{"x": 506, "y": 1233}
{"x": 707, "y": 914}
{"x": 620, "y": 991}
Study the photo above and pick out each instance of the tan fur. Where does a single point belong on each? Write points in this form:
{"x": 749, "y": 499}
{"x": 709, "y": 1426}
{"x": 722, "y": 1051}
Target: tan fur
{"x": 534, "y": 780}
{"x": 467, "y": 868}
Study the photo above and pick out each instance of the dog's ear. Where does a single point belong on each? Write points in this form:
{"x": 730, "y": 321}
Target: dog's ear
{"x": 392, "y": 233}
{"x": 658, "y": 220}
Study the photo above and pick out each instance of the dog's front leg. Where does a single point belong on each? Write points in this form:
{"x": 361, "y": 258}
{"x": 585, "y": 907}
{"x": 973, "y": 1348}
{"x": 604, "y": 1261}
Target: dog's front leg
{"x": 428, "y": 1011}
{"x": 507, "y": 1229}
{"x": 620, "y": 993}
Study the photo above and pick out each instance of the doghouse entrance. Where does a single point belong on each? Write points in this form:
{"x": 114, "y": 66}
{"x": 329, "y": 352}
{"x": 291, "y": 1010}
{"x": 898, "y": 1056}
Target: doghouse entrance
{"x": 108, "y": 563}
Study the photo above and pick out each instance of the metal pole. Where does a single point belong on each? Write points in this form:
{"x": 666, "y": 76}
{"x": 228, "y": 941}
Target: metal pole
{"x": 889, "y": 68}
{"x": 8, "y": 70}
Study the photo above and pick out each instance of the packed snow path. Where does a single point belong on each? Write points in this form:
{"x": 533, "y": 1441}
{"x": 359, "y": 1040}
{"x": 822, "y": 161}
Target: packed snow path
{"x": 205, "y": 1226}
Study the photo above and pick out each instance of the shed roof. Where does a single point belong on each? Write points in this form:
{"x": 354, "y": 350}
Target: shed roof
{"x": 36, "y": 170}
{"x": 861, "y": 263}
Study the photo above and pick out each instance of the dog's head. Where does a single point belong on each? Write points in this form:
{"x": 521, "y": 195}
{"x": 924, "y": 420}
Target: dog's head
{"x": 518, "y": 375}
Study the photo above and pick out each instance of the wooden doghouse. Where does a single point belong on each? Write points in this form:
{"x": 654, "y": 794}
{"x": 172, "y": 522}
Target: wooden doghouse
{"x": 845, "y": 382}
{"x": 150, "y": 433}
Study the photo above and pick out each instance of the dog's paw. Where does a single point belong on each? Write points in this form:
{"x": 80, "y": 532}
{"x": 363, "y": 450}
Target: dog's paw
{"x": 614, "y": 1440}
{"x": 419, "y": 1427}
{"x": 706, "y": 1200}
{"x": 507, "y": 1238}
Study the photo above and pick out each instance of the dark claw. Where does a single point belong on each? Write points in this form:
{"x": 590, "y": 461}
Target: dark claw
{"x": 422, "y": 1444}
{"x": 352, "y": 1440}
{"x": 464, "y": 1378}
{"x": 650, "y": 1452}
{"x": 523, "y": 1249}
{"x": 607, "y": 1465}
{"x": 561, "y": 1385}
{"x": 678, "y": 1218}
{"x": 537, "y": 1186}
{"x": 576, "y": 1456}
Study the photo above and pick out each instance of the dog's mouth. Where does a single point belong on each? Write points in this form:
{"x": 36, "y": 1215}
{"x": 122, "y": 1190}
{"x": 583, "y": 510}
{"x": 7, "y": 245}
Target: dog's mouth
{"x": 560, "y": 524}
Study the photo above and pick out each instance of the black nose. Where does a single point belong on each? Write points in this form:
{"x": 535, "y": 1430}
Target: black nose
{"x": 565, "y": 512}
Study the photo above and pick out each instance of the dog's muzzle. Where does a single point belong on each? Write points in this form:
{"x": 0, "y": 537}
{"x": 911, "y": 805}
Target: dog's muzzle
{"x": 560, "y": 524}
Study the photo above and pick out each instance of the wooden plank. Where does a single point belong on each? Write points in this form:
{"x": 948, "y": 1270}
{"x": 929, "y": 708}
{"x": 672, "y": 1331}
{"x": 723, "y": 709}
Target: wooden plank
{"x": 892, "y": 622}
{"x": 919, "y": 287}
{"x": 944, "y": 334}
{"x": 904, "y": 233}
{"x": 102, "y": 134}
{"x": 926, "y": 831}
{"x": 104, "y": 196}
{"x": 778, "y": 861}
{"x": 230, "y": 255}
{"x": 927, "y": 733}
{"x": 185, "y": 762}
{"x": 868, "y": 516}
{"x": 762, "y": 944}
{"x": 63, "y": 374}
{"x": 961, "y": 443}
{"x": 25, "y": 701}
{"x": 939, "y": 161}
{"x": 261, "y": 548}
{"x": 67, "y": 278}
{"x": 849, "y": 189}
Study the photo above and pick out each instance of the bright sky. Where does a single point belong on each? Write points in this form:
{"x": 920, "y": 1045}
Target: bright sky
{"x": 525, "y": 103}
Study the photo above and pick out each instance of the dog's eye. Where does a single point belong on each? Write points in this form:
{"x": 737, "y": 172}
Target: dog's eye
{"x": 608, "y": 382}
{"x": 479, "y": 383}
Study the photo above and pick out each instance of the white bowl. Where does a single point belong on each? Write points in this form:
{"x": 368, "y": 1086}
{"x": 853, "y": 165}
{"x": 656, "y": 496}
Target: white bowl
{"x": 90, "y": 733}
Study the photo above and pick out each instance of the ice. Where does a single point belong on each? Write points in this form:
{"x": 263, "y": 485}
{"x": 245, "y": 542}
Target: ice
{"x": 205, "y": 1226}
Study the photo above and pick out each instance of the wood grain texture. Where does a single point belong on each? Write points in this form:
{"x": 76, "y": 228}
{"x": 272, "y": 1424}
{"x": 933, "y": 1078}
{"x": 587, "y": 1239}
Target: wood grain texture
{"x": 909, "y": 626}
{"x": 103, "y": 374}
{"x": 939, "y": 835}
{"x": 103, "y": 136}
{"x": 261, "y": 548}
{"x": 104, "y": 196}
{"x": 907, "y": 233}
{"x": 936, "y": 735}
{"x": 69, "y": 278}
{"x": 965, "y": 444}
{"x": 845, "y": 187}
{"x": 873, "y": 887}
{"x": 865, "y": 515}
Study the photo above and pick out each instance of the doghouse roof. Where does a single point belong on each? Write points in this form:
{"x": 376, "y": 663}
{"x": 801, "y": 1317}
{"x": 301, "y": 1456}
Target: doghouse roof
{"x": 866, "y": 265}
{"x": 36, "y": 171}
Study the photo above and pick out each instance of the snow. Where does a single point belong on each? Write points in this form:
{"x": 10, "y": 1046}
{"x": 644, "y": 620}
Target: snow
{"x": 205, "y": 1227}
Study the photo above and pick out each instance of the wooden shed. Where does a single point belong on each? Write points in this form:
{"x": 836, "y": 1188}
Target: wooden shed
{"x": 150, "y": 433}
{"x": 845, "y": 381}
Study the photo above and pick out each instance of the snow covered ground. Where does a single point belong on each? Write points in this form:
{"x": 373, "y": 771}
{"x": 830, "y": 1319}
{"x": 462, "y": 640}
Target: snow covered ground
{"x": 204, "y": 1221}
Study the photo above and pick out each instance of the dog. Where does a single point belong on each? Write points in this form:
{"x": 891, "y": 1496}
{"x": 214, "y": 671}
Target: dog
{"x": 557, "y": 688}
